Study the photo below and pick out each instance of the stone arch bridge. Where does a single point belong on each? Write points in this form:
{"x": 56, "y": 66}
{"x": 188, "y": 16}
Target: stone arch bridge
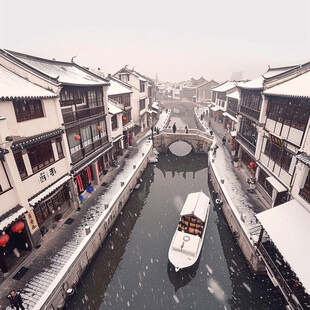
{"x": 199, "y": 140}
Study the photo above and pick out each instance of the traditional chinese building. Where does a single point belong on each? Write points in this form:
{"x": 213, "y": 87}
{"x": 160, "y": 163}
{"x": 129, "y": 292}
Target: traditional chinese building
{"x": 34, "y": 165}
{"x": 83, "y": 108}
{"x": 139, "y": 98}
{"x": 203, "y": 91}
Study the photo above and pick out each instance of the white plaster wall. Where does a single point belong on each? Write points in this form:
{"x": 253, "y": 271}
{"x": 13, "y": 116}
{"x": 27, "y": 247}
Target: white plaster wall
{"x": 50, "y": 121}
{"x": 33, "y": 186}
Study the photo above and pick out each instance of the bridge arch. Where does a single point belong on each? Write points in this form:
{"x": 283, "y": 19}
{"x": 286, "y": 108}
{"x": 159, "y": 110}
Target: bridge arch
{"x": 199, "y": 141}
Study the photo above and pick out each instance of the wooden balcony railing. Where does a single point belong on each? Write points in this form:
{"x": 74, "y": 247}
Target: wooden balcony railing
{"x": 249, "y": 112}
{"x": 82, "y": 114}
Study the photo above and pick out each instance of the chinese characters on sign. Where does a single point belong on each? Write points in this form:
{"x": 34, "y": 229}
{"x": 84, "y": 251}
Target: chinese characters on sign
{"x": 275, "y": 140}
{"x": 44, "y": 175}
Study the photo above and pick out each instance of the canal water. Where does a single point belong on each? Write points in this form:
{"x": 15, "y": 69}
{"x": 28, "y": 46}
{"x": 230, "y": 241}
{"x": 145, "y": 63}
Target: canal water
{"x": 131, "y": 270}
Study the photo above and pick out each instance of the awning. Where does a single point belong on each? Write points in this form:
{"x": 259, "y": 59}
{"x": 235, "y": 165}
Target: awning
{"x": 304, "y": 158}
{"x": 233, "y": 133}
{"x": 216, "y": 108}
{"x": 49, "y": 190}
{"x": 114, "y": 110}
{"x": 12, "y": 215}
{"x": 155, "y": 105}
{"x": 210, "y": 105}
{"x": 230, "y": 116}
{"x": 288, "y": 227}
{"x": 276, "y": 184}
{"x": 142, "y": 98}
{"x": 117, "y": 138}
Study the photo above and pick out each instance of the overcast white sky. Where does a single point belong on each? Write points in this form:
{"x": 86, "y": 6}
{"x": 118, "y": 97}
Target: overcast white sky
{"x": 176, "y": 39}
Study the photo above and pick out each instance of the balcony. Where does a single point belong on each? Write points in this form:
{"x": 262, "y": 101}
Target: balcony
{"x": 243, "y": 141}
{"x": 74, "y": 116}
{"x": 249, "y": 112}
{"x": 80, "y": 154}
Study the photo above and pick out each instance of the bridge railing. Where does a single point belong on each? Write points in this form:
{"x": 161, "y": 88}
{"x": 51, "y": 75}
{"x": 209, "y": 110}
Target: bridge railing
{"x": 196, "y": 132}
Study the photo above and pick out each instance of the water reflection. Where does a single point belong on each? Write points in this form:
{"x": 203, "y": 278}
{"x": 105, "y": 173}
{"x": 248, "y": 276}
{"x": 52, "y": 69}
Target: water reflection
{"x": 132, "y": 270}
{"x": 183, "y": 276}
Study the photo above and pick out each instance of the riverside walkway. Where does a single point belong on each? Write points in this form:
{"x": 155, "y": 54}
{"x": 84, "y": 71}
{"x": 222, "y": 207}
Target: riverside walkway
{"x": 61, "y": 244}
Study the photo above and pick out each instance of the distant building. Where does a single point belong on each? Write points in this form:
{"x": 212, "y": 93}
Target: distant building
{"x": 188, "y": 91}
{"x": 203, "y": 91}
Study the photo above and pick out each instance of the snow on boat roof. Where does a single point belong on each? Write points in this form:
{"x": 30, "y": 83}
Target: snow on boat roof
{"x": 65, "y": 72}
{"x": 196, "y": 204}
{"x": 117, "y": 88}
{"x": 296, "y": 87}
{"x": 288, "y": 227}
{"x": 13, "y": 86}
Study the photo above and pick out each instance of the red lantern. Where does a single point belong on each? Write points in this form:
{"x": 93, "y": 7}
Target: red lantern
{"x": 4, "y": 239}
{"x": 124, "y": 118}
{"x": 252, "y": 164}
{"x": 77, "y": 137}
{"x": 99, "y": 127}
{"x": 18, "y": 227}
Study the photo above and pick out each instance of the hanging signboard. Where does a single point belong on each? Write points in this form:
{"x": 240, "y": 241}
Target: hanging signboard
{"x": 276, "y": 140}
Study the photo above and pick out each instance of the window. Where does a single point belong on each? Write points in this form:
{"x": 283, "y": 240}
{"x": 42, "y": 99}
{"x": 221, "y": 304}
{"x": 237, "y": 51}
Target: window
{"x": 86, "y": 136}
{"x": 59, "y": 148}
{"x": 281, "y": 156}
{"x": 5, "y": 182}
{"x": 248, "y": 130}
{"x": 20, "y": 165}
{"x": 74, "y": 145}
{"x": 103, "y": 128}
{"x": 142, "y": 104}
{"x": 95, "y": 131}
{"x": 91, "y": 96}
{"x": 114, "y": 122}
{"x": 291, "y": 112}
{"x": 142, "y": 86}
{"x": 262, "y": 176}
{"x": 250, "y": 103}
{"x": 41, "y": 155}
{"x": 305, "y": 191}
{"x": 27, "y": 109}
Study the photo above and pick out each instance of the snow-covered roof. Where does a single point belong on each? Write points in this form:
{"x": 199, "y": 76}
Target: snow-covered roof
{"x": 67, "y": 73}
{"x": 155, "y": 105}
{"x": 234, "y": 95}
{"x": 226, "y": 86}
{"x": 117, "y": 88}
{"x": 216, "y": 108}
{"x": 196, "y": 204}
{"x": 304, "y": 158}
{"x": 258, "y": 83}
{"x": 288, "y": 227}
{"x": 296, "y": 87}
{"x": 13, "y": 86}
{"x": 254, "y": 84}
{"x": 113, "y": 109}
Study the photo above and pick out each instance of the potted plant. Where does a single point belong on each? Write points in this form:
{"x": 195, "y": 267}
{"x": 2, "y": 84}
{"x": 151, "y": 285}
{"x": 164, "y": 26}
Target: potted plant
{"x": 236, "y": 161}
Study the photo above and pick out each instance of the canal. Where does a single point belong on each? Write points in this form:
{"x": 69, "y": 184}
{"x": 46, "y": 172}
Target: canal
{"x": 131, "y": 269}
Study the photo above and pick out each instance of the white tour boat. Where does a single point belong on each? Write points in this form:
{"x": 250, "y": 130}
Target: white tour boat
{"x": 188, "y": 238}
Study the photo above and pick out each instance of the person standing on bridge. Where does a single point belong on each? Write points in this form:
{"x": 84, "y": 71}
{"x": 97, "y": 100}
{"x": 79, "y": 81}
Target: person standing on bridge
{"x": 174, "y": 128}
{"x": 186, "y": 129}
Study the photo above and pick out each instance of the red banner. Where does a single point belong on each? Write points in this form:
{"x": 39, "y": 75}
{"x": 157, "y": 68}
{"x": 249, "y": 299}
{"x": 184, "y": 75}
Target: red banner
{"x": 89, "y": 174}
{"x": 79, "y": 183}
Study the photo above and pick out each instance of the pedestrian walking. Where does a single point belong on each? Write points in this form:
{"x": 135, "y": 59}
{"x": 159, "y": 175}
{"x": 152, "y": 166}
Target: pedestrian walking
{"x": 209, "y": 123}
{"x": 174, "y": 128}
{"x": 186, "y": 129}
{"x": 224, "y": 140}
{"x": 16, "y": 300}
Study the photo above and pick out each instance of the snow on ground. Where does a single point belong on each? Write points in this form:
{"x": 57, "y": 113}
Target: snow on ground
{"x": 40, "y": 283}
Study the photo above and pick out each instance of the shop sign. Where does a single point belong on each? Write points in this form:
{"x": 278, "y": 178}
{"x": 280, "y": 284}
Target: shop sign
{"x": 44, "y": 175}
{"x": 276, "y": 140}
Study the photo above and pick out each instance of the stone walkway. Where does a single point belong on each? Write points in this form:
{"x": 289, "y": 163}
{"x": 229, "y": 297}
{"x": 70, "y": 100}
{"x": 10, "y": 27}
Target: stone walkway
{"x": 58, "y": 244}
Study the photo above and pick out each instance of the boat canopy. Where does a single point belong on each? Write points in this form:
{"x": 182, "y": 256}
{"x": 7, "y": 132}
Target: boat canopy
{"x": 196, "y": 204}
